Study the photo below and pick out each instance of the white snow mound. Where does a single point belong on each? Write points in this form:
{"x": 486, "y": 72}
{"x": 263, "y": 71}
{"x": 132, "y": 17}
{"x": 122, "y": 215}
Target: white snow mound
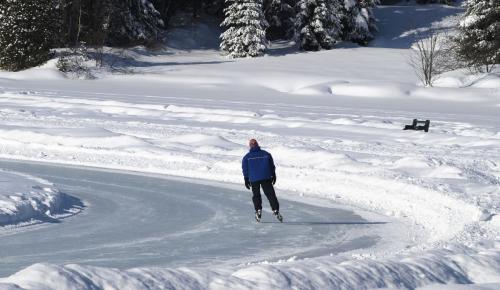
{"x": 27, "y": 199}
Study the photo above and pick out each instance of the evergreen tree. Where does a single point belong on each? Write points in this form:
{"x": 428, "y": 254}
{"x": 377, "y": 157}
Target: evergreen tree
{"x": 358, "y": 21}
{"x": 84, "y": 21}
{"x": 280, "y": 14}
{"x": 214, "y": 7}
{"x": 27, "y": 31}
{"x": 318, "y": 25}
{"x": 133, "y": 22}
{"x": 478, "y": 42}
{"x": 110, "y": 22}
{"x": 245, "y": 34}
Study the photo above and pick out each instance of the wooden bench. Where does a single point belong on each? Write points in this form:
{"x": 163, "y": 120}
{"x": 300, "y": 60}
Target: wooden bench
{"x": 419, "y": 125}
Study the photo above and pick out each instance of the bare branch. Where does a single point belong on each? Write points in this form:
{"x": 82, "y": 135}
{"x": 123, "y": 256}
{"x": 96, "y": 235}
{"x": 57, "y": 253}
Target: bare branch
{"x": 429, "y": 59}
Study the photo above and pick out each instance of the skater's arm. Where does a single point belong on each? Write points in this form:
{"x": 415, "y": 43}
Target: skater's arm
{"x": 273, "y": 167}
{"x": 244, "y": 166}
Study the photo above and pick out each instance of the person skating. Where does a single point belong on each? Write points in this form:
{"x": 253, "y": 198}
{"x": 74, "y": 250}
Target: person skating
{"x": 259, "y": 171}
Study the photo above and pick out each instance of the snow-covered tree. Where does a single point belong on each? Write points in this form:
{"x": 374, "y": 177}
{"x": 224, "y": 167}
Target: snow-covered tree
{"x": 280, "y": 14}
{"x": 478, "y": 41}
{"x": 26, "y": 32}
{"x": 245, "y": 34}
{"x": 134, "y": 21}
{"x": 112, "y": 22}
{"x": 318, "y": 25}
{"x": 358, "y": 21}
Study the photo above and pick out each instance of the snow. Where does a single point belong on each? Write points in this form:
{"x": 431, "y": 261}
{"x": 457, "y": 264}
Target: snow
{"x": 489, "y": 286}
{"x": 444, "y": 266}
{"x": 461, "y": 79}
{"x": 46, "y": 71}
{"x": 26, "y": 200}
{"x": 335, "y": 133}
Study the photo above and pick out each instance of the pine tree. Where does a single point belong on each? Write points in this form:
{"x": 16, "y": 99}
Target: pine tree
{"x": 318, "y": 25}
{"x": 245, "y": 34}
{"x": 280, "y": 14}
{"x": 478, "y": 41}
{"x": 358, "y": 21}
{"x": 110, "y": 22}
{"x": 134, "y": 22}
{"x": 26, "y": 33}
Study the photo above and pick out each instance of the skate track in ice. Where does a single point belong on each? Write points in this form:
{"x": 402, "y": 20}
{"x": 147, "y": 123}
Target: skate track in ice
{"x": 136, "y": 220}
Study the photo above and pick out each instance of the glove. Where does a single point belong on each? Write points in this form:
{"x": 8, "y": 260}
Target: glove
{"x": 273, "y": 179}
{"x": 247, "y": 183}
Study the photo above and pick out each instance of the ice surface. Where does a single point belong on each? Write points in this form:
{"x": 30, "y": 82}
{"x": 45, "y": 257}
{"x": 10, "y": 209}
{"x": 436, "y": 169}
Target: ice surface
{"x": 141, "y": 221}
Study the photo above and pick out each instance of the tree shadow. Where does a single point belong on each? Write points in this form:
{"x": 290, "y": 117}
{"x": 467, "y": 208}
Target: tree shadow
{"x": 402, "y": 25}
{"x": 320, "y": 223}
{"x": 282, "y": 47}
{"x": 116, "y": 60}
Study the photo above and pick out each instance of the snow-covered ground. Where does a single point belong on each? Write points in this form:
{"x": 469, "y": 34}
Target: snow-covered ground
{"x": 332, "y": 120}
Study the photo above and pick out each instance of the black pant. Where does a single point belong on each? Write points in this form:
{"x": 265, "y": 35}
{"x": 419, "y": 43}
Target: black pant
{"x": 268, "y": 188}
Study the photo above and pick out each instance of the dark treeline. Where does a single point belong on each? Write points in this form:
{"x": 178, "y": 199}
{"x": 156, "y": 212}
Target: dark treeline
{"x": 131, "y": 22}
{"x": 317, "y": 24}
{"x": 124, "y": 22}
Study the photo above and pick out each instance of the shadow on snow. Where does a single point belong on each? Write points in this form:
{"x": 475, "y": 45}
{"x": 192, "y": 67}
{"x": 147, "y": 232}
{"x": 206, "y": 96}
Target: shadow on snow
{"x": 319, "y": 223}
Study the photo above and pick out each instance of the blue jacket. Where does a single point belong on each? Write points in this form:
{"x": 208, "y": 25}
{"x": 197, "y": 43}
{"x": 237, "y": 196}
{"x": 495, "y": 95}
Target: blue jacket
{"x": 258, "y": 165}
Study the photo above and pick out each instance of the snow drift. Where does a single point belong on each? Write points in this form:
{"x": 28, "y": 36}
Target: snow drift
{"x": 446, "y": 266}
{"x": 26, "y": 199}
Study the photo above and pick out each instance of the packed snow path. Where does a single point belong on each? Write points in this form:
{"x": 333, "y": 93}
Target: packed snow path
{"x": 133, "y": 220}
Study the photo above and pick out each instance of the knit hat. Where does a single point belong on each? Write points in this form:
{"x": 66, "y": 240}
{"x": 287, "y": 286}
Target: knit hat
{"x": 253, "y": 143}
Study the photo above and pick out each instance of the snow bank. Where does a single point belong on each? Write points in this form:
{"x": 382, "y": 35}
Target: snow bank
{"x": 460, "y": 265}
{"x": 46, "y": 71}
{"x": 26, "y": 199}
{"x": 463, "y": 78}
{"x": 84, "y": 138}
